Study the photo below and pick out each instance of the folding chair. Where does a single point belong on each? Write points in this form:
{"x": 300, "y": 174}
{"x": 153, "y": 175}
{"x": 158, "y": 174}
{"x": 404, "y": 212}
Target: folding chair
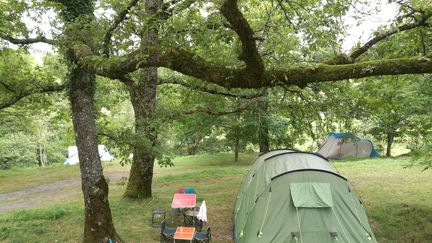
{"x": 190, "y": 219}
{"x": 203, "y": 237}
{"x": 181, "y": 190}
{"x": 189, "y": 191}
{"x": 158, "y": 213}
{"x": 166, "y": 233}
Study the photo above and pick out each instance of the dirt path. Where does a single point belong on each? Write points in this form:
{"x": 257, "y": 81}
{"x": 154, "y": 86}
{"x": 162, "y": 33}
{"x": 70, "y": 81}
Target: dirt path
{"x": 47, "y": 193}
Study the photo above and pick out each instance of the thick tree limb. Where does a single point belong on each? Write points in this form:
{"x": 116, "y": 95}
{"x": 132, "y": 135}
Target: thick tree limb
{"x": 175, "y": 59}
{"x": 122, "y": 15}
{"x": 26, "y": 93}
{"x": 249, "y": 54}
{"x": 361, "y": 50}
{"x": 39, "y": 39}
{"x": 323, "y": 73}
{"x": 192, "y": 65}
{"x": 210, "y": 91}
{"x": 127, "y": 80}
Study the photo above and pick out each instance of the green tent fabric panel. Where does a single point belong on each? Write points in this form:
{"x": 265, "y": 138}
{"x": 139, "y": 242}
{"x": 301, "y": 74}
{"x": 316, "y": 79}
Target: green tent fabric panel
{"x": 265, "y": 215}
{"x": 261, "y": 172}
{"x": 295, "y": 161}
{"x": 253, "y": 184}
{"x": 312, "y": 222}
{"x": 311, "y": 195}
{"x": 315, "y": 225}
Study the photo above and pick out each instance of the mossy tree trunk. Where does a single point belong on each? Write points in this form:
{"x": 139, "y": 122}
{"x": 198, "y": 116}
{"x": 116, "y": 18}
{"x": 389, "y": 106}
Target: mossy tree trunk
{"x": 98, "y": 224}
{"x": 143, "y": 98}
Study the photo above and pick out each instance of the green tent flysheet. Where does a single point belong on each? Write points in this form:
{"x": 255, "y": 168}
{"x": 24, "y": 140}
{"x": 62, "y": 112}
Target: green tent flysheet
{"x": 297, "y": 197}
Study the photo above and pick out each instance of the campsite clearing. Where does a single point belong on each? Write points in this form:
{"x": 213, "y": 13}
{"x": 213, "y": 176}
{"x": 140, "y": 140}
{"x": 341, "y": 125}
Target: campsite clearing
{"x": 397, "y": 199}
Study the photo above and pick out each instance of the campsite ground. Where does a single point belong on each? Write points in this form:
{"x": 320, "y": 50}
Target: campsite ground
{"x": 397, "y": 199}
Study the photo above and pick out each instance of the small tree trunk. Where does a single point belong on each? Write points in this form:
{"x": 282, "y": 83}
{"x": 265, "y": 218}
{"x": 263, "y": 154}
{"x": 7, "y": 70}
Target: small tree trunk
{"x": 98, "y": 225}
{"x": 193, "y": 146}
{"x": 237, "y": 128}
{"x": 236, "y": 147}
{"x": 191, "y": 149}
{"x": 39, "y": 155}
{"x": 390, "y": 139}
{"x": 263, "y": 123}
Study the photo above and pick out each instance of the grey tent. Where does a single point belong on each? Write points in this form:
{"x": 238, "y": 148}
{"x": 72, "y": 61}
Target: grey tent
{"x": 346, "y": 145}
{"x": 296, "y": 197}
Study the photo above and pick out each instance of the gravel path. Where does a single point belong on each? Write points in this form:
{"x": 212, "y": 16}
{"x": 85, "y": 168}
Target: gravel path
{"x": 39, "y": 195}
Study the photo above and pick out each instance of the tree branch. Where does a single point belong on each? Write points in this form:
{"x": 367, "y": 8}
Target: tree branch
{"x": 249, "y": 54}
{"x": 121, "y": 16}
{"x": 285, "y": 12}
{"x": 324, "y": 73}
{"x": 39, "y": 90}
{"x": 361, "y": 50}
{"x": 192, "y": 65}
{"x": 114, "y": 138}
{"x": 210, "y": 91}
{"x": 39, "y": 39}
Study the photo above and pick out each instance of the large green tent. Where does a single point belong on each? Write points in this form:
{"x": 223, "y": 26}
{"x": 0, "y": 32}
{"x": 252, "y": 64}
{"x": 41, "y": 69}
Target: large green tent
{"x": 291, "y": 196}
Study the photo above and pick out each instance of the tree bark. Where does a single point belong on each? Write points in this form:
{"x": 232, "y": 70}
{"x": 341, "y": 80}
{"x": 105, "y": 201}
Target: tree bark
{"x": 263, "y": 123}
{"x": 192, "y": 146}
{"x": 40, "y": 155}
{"x": 143, "y": 98}
{"x": 98, "y": 225}
{"x": 191, "y": 149}
{"x": 237, "y": 136}
{"x": 236, "y": 146}
{"x": 390, "y": 139}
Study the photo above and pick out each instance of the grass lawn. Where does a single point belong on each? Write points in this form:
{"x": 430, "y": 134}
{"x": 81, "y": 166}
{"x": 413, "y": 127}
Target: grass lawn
{"x": 397, "y": 199}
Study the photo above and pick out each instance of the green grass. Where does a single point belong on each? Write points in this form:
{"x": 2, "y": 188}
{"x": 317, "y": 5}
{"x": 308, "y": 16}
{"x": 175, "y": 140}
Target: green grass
{"x": 20, "y": 178}
{"x": 397, "y": 199}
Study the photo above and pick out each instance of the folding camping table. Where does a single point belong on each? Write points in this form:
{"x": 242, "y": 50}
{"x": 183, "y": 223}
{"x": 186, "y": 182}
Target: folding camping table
{"x": 181, "y": 200}
{"x": 184, "y": 233}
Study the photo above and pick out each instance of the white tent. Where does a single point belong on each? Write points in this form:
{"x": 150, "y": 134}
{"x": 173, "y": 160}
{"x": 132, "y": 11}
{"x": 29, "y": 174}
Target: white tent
{"x": 73, "y": 155}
